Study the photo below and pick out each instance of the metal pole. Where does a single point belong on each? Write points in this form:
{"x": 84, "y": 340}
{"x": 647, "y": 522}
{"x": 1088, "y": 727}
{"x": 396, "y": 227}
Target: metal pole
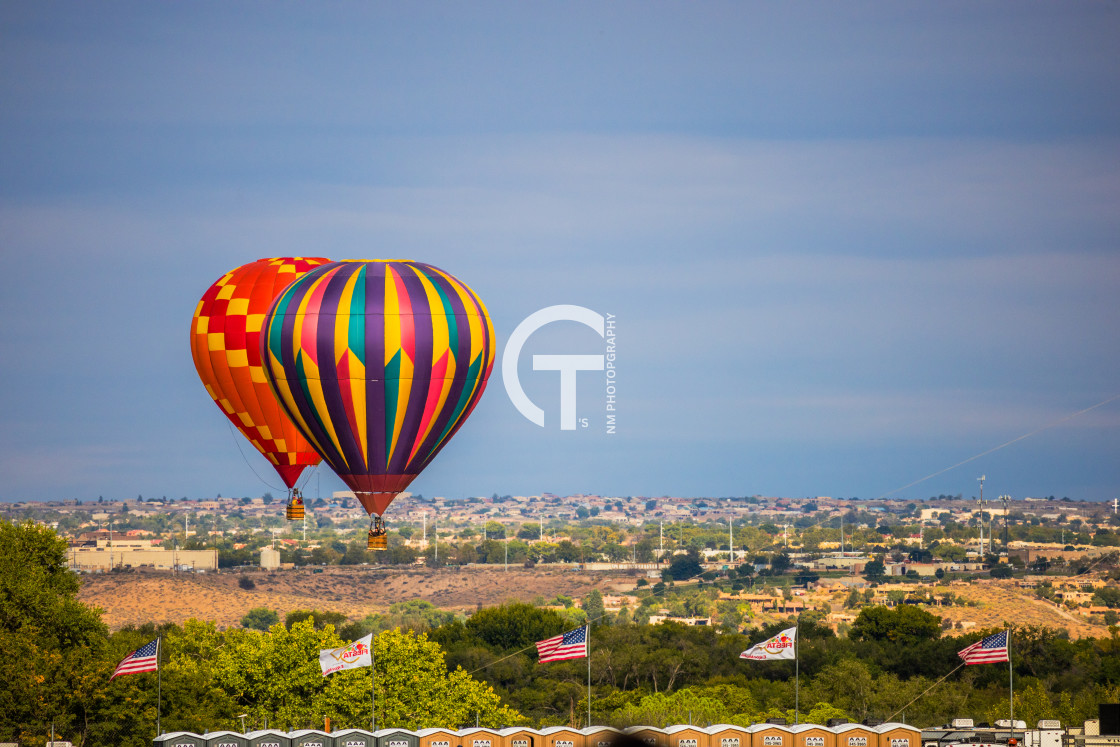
{"x": 159, "y": 683}
{"x": 797, "y": 670}
{"x": 373, "y": 687}
{"x": 589, "y": 675}
{"x": 1011, "y": 683}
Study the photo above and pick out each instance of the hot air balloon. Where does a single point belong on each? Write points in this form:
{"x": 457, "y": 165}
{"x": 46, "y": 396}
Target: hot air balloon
{"x": 225, "y": 344}
{"x": 378, "y": 363}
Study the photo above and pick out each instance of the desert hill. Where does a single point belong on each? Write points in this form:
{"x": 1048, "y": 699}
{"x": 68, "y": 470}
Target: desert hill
{"x": 138, "y": 597}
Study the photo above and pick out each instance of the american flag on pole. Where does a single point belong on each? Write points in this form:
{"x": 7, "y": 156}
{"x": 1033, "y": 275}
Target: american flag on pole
{"x": 143, "y": 659}
{"x": 571, "y": 645}
{"x": 991, "y": 650}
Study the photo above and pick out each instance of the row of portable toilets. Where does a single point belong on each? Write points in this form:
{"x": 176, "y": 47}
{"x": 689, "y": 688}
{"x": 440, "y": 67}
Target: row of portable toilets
{"x": 720, "y": 735}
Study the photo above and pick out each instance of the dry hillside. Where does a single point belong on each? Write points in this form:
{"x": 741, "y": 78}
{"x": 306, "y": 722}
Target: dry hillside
{"x": 138, "y": 597}
{"x": 1003, "y": 602}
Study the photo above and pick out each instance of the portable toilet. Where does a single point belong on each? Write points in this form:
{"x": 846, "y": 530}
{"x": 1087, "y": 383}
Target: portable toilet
{"x": 856, "y": 735}
{"x": 561, "y": 736}
{"x": 268, "y": 738}
{"x": 598, "y": 736}
{"x": 894, "y": 734}
{"x": 310, "y": 738}
{"x": 520, "y": 736}
{"x": 396, "y": 738}
{"x": 770, "y": 735}
{"x": 650, "y": 736}
{"x": 728, "y": 735}
{"x": 812, "y": 735}
{"x": 353, "y": 738}
{"x": 480, "y": 737}
{"x": 438, "y": 737}
{"x": 681, "y": 735}
{"x": 179, "y": 739}
{"x": 225, "y": 739}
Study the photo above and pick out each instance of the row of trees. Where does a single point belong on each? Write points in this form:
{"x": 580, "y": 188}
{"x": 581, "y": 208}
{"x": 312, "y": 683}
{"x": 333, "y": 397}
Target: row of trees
{"x": 59, "y": 657}
{"x": 889, "y": 658}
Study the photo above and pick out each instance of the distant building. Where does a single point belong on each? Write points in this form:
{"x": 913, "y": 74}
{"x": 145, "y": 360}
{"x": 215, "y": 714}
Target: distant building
{"x": 693, "y": 621}
{"x": 103, "y": 555}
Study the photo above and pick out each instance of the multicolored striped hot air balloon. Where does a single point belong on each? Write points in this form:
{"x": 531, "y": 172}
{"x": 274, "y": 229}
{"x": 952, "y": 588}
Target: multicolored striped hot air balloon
{"x": 225, "y": 345}
{"x": 378, "y": 363}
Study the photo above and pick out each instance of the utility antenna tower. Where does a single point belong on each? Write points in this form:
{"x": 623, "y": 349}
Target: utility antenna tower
{"x": 981, "y": 479}
{"x": 1006, "y": 501}
{"x": 730, "y": 542}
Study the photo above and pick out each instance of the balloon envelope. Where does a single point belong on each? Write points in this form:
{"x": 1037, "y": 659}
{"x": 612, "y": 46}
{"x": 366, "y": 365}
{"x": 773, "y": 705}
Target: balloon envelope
{"x": 378, "y": 363}
{"x": 225, "y": 345}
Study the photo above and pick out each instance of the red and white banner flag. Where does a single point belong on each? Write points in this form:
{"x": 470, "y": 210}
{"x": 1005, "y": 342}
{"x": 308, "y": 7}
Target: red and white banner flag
{"x": 351, "y": 656}
{"x": 780, "y": 646}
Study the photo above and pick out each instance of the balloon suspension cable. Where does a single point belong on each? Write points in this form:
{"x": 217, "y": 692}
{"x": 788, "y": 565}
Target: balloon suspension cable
{"x": 248, "y": 464}
{"x": 305, "y": 476}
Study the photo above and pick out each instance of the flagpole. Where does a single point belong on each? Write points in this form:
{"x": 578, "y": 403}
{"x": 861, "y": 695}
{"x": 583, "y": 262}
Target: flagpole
{"x": 1011, "y": 683}
{"x": 373, "y": 687}
{"x": 797, "y": 670}
{"x": 589, "y": 675}
{"x": 159, "y": 682}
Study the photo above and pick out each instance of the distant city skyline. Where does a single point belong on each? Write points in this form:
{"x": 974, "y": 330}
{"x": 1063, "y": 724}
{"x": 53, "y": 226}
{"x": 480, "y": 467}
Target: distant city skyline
{"x": 846, "y": 247}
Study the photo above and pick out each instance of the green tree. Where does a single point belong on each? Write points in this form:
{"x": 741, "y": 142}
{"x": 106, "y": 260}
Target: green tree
{"x": 685, "y": 567}
{"x": 593, "y": 606}
{"x": 55, "y": 648}
{"x": 904, "y": 624}
{"x": 1001, "y": 570}
{"x": 875, "y": 570}
{"x": 277, "y": 675}
{"x": 513, "y": 626}
{"x": 260, "y": 618}
{"x": 320, "y": 619}
{"x": 664, "y": 709}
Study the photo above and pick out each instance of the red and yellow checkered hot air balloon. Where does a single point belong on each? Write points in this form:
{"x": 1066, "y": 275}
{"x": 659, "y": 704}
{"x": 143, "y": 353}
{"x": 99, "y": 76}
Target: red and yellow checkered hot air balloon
{"x": 378, "y": 363}
{"x": 225, "y": 344}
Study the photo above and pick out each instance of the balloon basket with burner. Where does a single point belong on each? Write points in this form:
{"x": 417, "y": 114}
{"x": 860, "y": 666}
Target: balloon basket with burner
{"x": 378, "y": 538}
{"x": 294, "y": 511}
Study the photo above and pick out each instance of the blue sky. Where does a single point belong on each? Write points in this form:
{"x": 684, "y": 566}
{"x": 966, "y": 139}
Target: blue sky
{"x": 847, "y": 245}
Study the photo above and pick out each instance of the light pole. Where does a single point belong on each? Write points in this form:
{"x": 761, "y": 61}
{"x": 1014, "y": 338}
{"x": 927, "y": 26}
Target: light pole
{"x": 242, "y": 717}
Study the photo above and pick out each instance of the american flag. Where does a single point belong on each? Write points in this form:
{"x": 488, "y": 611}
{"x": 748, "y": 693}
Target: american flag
{"x": 991, "y": 650}
{"x": 143, "y": 659}
{"x": 571, "y": 645}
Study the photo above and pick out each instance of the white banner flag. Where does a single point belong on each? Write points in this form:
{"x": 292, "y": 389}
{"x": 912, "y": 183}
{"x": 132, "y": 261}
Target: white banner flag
{"x": 353, "y": 655}
{"x": 780, "y": 646}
